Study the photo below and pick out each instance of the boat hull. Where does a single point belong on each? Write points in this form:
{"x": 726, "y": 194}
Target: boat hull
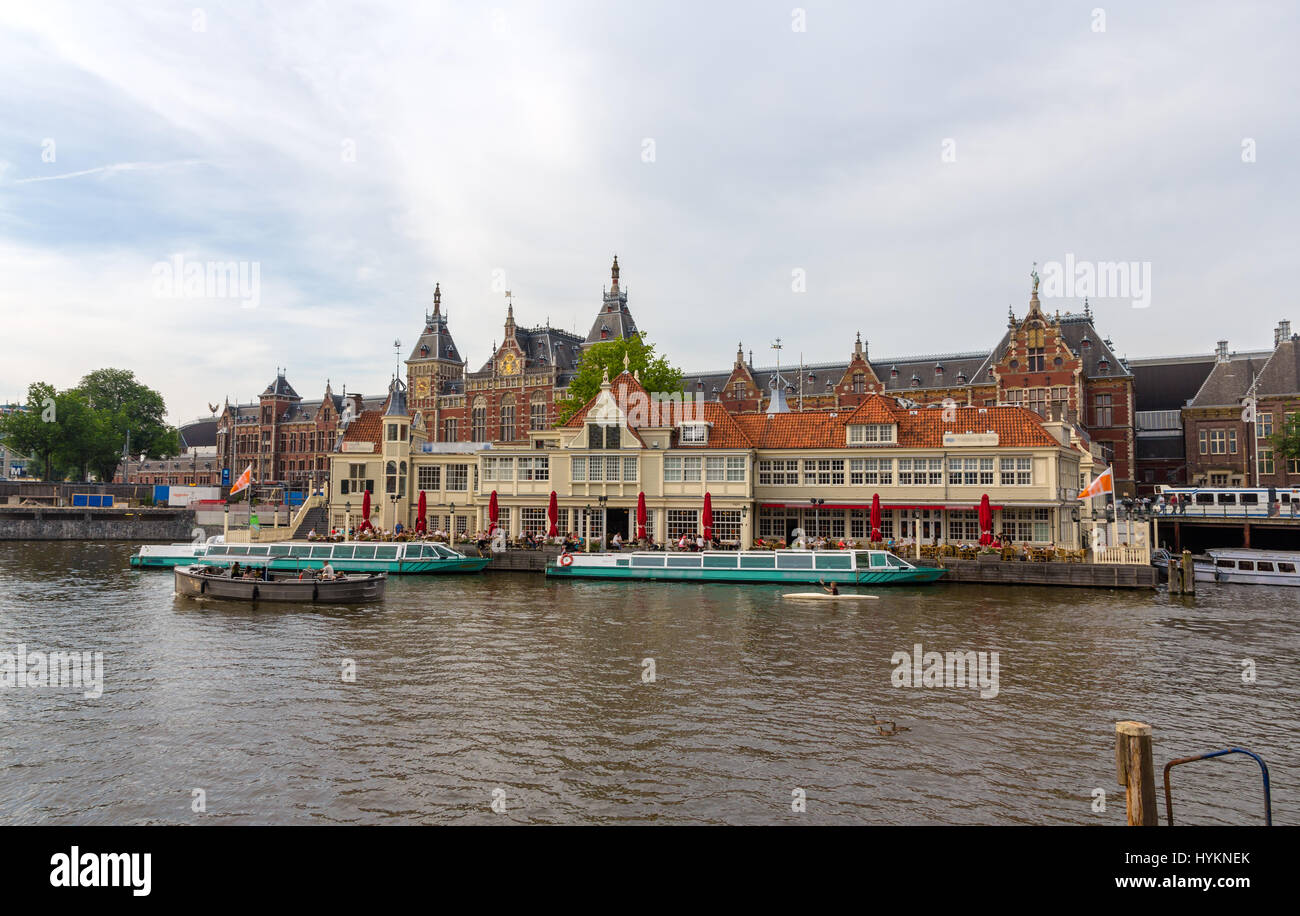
{"x": 170, "y": 557}
{"x": 917, "y": 576}
{"x": 350, "y": 590}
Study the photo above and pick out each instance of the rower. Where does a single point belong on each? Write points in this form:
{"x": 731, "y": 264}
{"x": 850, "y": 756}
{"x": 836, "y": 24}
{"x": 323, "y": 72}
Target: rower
{"x": 831, "y": 589}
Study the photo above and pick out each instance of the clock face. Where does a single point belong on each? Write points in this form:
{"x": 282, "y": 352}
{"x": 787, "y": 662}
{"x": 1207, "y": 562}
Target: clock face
{"x": 422, "y": 387}
{"x": 509, "y": 364}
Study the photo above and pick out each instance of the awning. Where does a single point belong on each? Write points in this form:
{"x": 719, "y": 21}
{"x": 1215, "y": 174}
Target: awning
{"x": 962, "y": 507}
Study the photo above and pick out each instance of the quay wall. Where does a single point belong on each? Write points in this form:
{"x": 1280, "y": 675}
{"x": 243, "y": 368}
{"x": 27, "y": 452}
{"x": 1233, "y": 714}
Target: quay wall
{"x": 46, "y": 523}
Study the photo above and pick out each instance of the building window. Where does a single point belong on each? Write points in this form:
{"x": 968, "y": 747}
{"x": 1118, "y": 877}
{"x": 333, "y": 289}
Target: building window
{"x": 823, "y": 472}
{"x": 458, "y": 477}
{"x": 1036, "y": 362}
{"x": 1017, "y": 472}
{"x": 508, "y": 419}
{"x": 450, "y": 430}
{"x": 390, "y": 471}
{"x": 630, "y": 469}
{"x": 430, "y": 477}
{"x": 1102, "y": 412}
{"x": 964, "y": 525}
{"x": 1038, "y": 401}
{"x": 578, "y": 468}
{"x": 498, "y": 469}
{"x": 537, "y": 413}
{"x": 694, "y": 434}
{"x": 1218, "y": 442}
{"x": 726, "y": 525}
{"x": 1203, "y": 437}
{"x": 871, "y": 472}
{"x": 478, "y": 421}
{"x": 1264, "y": 426}
{"x": 537, "y": 467}
{"x": 859, "y": 383}
{"x": 683, "y": 522}
{"x": 534, "y": 520}
{"x": 682, "y": 470}
{"x": 1265, "y": 460}
{"x": 920, "y": 472}
{"x": 870, "y": 433}
{"x": 778, "y": 473}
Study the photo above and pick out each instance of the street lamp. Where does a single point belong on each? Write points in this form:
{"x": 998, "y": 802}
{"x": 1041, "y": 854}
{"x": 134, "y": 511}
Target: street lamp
{"x": 916, "y": 531}
{"x": 451, "y": 524}
{"x": 817, "y": 513}
{"x": 586, "y": 521}
{"x": 604, "y": 519}
{"x": 347, "y": 518}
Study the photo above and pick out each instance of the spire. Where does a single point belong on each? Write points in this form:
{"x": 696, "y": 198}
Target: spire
{"x": 857, "y": 346}
{"x": 1034, "y": 309}
{"x": 613, "y": 273}
{"x": 510, "y": 316}
{"x": 740, "y": 354}
{"x": 627, "y": 361}
{"x": 437, "y": 299}
{"x": 777, "y": 404}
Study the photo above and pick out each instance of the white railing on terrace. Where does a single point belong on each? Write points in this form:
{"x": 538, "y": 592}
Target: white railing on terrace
{"x": 1134, "y": 556}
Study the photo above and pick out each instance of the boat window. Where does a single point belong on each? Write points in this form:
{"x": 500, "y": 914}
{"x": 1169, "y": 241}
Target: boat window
{"x": 300, "y": 552}
{"x": 1224, "y": 564}
{"x": 621, "y": 561}
{"x": 343, "y": 553}
{"x": 1246, "y": 564}
{"x": 838, "y": 561}
{"x": 760, "y": 561}
{"x": 647, "y": 561}
{"x": 444, "y": 551}
{"x": 794, "y": 561}
{"x": 1286, "y": 567}
{"x": 386, "y": 553}
{"x": 1265, "y": 566}
{"x": 259, "y": 551}
{"x": 1204, "y": 499}
{"x": 719, "y": 561}
{"x": 321, "y": 553}
{"x": 895, "y": 561}
{"x": 217, "y": 551}
{"x": 1227, "y": 499}
{"x": 279, "y": 550}
{"x": 1250, "y": 499}
{"x": 691, "y": 562}
{"x": 365, "y": 553}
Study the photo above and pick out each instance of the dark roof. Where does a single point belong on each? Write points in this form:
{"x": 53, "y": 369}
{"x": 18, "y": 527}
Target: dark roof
{"x": 1229, "y": 380}
{"x": 1282, "y": 373}
{"x": 199, "y": 434}
{"x": 397, "y": 400}
{"x": 279, "y": 387}
{"x": 435, "y": 340}
{"x": 1168, "y": 383}
{"x": 614, "y": 320}
{"x": 544, "y": 347}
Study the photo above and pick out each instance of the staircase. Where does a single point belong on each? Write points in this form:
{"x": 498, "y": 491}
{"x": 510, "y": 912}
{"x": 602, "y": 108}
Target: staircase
{"x": 315, "y": 517}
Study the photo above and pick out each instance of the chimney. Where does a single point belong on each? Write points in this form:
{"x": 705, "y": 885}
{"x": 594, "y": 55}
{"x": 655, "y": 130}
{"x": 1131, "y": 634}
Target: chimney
{"x": 1282, "y": 332}
{"x": 1221, "y": 352}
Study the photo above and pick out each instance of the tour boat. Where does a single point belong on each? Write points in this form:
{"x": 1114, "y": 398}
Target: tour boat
{"x": 207, "y": 581}
{"x": 395, "y": 557}
{"x": 165, "y": 556}
{"x": 866, "y": 567}
{"x": 1240, "y": 566}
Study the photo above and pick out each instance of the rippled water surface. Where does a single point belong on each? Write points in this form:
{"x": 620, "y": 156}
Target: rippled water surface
{"x": 468, "y": 685}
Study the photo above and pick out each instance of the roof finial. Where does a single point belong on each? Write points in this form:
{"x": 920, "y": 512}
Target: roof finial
{"x": 613, "y": 273}
{"x": 627, "y": 361}
{"x": 437, "y": 299}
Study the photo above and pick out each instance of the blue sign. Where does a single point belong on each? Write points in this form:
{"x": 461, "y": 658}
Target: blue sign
{"x": 225, "y": 477}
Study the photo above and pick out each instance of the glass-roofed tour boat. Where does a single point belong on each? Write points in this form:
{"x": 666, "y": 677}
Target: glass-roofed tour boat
{"x": 866, "y": 567}
{"x": 395, "y": 558}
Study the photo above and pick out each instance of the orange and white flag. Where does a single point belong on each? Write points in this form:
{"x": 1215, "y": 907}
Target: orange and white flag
{"x": 1103, "y": 484}
{"x": 245, "y": 479}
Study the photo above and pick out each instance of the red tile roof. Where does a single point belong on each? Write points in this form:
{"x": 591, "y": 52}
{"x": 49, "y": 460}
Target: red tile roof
{"x": 367, "y": 426}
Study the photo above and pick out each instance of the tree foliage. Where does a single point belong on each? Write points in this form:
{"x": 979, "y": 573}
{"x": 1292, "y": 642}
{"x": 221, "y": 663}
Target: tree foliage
{"x": 83, "y": 430}
{"x": 657, "y": 375}
{"x": 1286, "y": 441}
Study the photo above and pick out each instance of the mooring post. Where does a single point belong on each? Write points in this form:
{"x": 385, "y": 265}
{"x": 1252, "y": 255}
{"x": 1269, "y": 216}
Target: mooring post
{"x": 1189, "y": 573}
{"x": 1135, "y": 768}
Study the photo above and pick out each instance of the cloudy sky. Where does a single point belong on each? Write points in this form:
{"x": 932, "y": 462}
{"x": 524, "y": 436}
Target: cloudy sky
{"x": 761, "y": 171}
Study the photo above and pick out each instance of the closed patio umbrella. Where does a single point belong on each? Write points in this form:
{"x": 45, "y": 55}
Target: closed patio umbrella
{"x": 875, "y": 517}
{"x": 707, "y": 520}
{"x": 421, "y": 526}
{"x": 493, "y": 513}
{"x": 365, "y": 512}
{"x": 640, "y": 516}
{"x": 986, "y": 521}
{"x": 553, "y": 516}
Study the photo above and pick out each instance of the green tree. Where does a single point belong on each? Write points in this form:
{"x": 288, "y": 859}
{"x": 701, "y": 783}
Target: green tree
{"x": 1286, "y": 441}
{"x": 124, "y": 405}
{"x": 34, "y": 430}
{"x": 86, "y": 441}
{"x": 607, "y": 356}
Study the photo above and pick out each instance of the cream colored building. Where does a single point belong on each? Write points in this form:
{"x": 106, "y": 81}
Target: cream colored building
{"x": 929, "y": 466}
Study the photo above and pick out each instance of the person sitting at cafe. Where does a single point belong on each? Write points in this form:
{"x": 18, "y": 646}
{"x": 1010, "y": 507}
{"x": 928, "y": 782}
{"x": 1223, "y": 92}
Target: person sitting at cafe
{"x": 616, "y": 543}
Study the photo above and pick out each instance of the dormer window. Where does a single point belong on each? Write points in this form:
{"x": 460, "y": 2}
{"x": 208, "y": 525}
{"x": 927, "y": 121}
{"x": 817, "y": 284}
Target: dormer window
{"x": 893, "y": 372}
{"x": 599, "y": 436}
{"x": 859, "y": 383}
{"x": 693, "y": 434}
{"x": 938, "y": 370}
{"x": 916, "y": 380}
{"x": 872, "y": 434}
{"x": 1103, "y": 365}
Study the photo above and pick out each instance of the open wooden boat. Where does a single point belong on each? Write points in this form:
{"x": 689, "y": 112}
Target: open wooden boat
{"x": 215, "y": 582}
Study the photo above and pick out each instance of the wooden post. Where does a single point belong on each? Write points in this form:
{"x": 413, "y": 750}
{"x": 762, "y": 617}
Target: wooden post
{"x": 1189, "y": 573}
{"x": 1135, "y": 768}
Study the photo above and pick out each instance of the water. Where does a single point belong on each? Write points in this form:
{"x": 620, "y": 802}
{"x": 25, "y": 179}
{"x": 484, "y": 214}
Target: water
{"x": 468, "y": 685}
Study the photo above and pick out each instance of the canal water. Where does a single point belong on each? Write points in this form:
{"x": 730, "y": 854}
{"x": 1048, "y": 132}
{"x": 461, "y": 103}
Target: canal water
{"x": 539, "y": 697}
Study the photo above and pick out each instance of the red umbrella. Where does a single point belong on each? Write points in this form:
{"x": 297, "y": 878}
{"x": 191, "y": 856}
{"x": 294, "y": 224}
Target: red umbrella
{"x": 640, "y": 516}
{"x": 875, "y": 518}
{"x": 493, "y": 512}
{"x": 420, "y": 524}
{"x": 365, "y": 511}
{"x": 986, "y": 521}
{"x": 708, "y": 516}
{"x": 553, "y": 516}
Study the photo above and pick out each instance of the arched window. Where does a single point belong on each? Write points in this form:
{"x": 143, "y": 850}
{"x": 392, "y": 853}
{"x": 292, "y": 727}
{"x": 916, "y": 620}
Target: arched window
{"x": 401, "y": 481}
{"x": 478, "y": 421}
{"x": 537, "y": 413}
{"x": 859, "y": 383}
{"x": 508, "y": 418}
{"x": 390, "y": 472}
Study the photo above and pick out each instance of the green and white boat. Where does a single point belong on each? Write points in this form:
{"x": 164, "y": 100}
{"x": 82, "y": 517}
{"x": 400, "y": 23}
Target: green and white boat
{"x": 848, "y": 567}
{"x": 395, "y": 558}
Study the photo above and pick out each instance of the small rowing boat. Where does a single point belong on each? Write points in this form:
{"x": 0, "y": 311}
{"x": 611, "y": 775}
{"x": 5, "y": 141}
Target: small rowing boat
{"x": 212, "y": 582}
{"x": 822, "y": 596}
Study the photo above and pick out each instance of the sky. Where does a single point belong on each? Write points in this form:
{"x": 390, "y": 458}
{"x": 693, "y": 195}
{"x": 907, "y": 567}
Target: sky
{"x": 762, "y": 170}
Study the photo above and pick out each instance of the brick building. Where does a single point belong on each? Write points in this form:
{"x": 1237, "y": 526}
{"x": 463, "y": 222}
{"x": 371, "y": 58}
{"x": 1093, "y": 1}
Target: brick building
{"x": 1043, "y": 362}
{"x": 516, "y": 390}
{"x": 1245, "y": 400}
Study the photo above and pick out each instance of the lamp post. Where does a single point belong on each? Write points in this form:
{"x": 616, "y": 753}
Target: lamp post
{"x": 746, "y": 537}
{"x": 916, "y": 531}
{"x": 451, "y": 524}
{"x": 604, "y": 519}
{"x": 586, "y": 523}
{"x": 393, "y": 499}
{"x": 347, "y": 518}
{"x": 817, "y": 516}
